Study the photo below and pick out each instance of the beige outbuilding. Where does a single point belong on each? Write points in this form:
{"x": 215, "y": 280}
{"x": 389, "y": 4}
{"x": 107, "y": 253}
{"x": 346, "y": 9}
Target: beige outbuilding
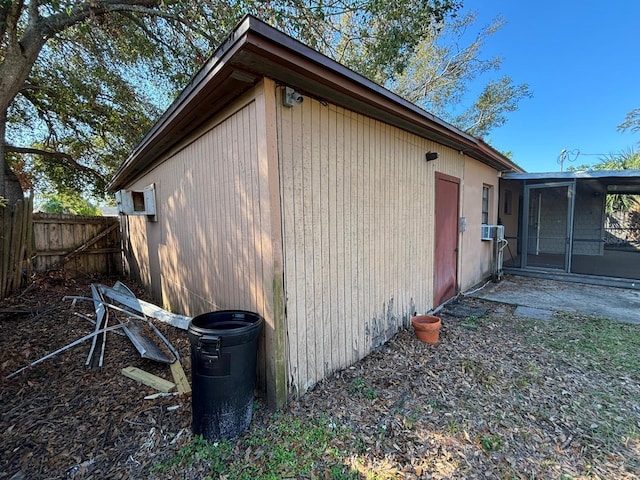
{"x": 284, "y": 183}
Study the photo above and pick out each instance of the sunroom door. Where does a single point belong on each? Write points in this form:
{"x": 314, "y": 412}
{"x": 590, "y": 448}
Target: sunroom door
{"x": 549, "y": 213}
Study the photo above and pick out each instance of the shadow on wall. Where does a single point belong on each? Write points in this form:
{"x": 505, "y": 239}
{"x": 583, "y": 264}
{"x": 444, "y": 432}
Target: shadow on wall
{"x": 210, "y": 248}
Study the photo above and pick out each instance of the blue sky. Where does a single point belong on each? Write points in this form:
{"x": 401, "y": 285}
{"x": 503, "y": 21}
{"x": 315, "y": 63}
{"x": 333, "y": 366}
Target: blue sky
{"x": 581, "y": 59}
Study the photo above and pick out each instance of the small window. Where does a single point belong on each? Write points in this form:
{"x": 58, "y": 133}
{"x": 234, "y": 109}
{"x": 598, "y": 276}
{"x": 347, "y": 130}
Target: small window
{"x": 507, "y": 202}
{"x": 138, "y": 202}
{"x": 486, "y": 194}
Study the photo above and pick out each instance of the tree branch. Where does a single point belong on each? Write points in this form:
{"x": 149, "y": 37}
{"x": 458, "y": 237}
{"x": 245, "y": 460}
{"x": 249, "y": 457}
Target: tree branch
{"x": 4, "y": 14}
{"x": 58, "y": 22}
{"x": 60, "y": 157}
{"x": 10, "y": 12}
{"x": 40, "y": 29}
{"x": 631, "y": 121}
{"x": 145, "y": 29}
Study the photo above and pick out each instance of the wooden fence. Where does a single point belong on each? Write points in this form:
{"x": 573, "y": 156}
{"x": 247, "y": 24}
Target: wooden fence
{"x": 41, "y": 241}
{"x": 80, "y": 244}
{"x": 15, "y": 245}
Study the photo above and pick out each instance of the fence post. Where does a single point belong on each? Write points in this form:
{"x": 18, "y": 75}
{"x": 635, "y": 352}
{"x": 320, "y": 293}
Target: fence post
{"x": 15, "y": 242}
{"x": 5, "y": 239}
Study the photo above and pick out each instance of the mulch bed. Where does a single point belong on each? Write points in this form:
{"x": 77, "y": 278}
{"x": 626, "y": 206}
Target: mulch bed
{"x": 60, "y": 420}
{"x": 484, "y": 403}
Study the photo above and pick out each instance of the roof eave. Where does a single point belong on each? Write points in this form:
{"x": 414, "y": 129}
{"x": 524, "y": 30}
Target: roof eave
{"x": 201, "y": 81}
{"x": 255, "y": 50}
{"x": 591, "y": 174}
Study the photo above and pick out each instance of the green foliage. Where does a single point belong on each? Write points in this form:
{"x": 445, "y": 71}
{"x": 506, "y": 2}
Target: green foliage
{"x": 362, "y": 387}
{"x": 490, "y": 110}
{"x": 213, "y": 454}
{"x": 104, "y": 71}
{"x": 288, "y": 447}
{"x": 472, "y": 323}
{"x": 626, "y": 160}
{"x": 380, "y": 39}
{"x": 68, "y": 203}
{"x": 101, "y": 79}
{"x": 445, "y": 66}
{"x": 631, "y": 121}
{"x": 83, "y": 109}
{"x": 491, "y": 443}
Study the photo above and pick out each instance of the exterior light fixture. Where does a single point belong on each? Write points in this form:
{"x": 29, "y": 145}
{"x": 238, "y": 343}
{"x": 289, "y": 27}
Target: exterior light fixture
{"x": 431, "y": 156}
{"x": 291, "y": 97}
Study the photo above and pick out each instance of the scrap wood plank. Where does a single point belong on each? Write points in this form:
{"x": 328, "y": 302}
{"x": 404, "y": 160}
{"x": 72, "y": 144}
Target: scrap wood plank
{"x": 148, "y": 379}
{"x": 180, "y": 378}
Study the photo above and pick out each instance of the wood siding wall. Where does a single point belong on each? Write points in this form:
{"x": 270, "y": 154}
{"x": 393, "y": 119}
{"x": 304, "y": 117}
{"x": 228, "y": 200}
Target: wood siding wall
{"x": 318, "y": 218}
{"x": 211, "y": 247}
{"x": 358, "y": 233}
{"x": 208, "y": 239}
{"x": 476, "y": 255}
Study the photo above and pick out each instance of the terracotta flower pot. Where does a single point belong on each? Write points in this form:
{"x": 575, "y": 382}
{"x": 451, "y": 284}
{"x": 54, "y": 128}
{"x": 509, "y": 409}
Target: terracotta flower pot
{"x": 427, "y": 328}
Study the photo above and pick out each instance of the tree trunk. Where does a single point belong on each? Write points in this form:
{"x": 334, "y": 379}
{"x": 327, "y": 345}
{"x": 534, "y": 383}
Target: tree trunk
{"x": 18, "y": 58}
{"x": 10, "y": 187}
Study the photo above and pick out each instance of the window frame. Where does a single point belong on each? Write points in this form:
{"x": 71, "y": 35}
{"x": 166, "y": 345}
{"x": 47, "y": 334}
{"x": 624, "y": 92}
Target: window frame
{"x": 486, "y": 204}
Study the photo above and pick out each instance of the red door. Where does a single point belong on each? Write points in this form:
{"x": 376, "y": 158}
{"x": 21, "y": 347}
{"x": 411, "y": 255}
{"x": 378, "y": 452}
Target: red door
{"x": 446, "y": 250}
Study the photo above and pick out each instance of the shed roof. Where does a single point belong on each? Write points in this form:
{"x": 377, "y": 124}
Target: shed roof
{"x": 617, "y": 181}
{"x": 255, "y": 50}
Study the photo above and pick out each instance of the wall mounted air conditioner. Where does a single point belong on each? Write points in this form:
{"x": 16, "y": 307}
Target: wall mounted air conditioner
{"x": 489, "y": 232}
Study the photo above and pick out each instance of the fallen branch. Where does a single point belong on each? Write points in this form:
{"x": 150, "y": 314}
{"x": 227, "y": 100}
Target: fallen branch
{"x": 66, "y": 347}
{"x": 16, "y": 311}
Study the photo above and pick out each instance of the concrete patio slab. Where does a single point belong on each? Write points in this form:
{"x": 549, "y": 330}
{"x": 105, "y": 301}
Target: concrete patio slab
{"x": 535, "y": 313}
{"x": 615, "y": 303}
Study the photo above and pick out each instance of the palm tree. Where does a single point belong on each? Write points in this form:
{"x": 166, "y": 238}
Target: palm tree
{"x": 627, "y": 160}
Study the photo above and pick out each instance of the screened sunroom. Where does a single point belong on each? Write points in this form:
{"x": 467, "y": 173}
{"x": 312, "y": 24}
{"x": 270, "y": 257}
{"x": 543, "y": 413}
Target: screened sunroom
{"x": 582, "y": 226}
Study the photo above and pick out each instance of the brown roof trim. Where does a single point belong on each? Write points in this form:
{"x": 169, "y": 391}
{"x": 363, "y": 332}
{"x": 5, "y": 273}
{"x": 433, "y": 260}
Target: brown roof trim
{"x": 253, "y": 50}
{"x": 615, "y": 175}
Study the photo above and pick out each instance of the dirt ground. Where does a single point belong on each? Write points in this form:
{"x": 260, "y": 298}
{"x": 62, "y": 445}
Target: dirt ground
{"x": 484, "y": 403}
{"x": 62, "y": 421}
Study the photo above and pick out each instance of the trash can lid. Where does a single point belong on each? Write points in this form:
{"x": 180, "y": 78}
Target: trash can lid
{"x": 227, "y": 324}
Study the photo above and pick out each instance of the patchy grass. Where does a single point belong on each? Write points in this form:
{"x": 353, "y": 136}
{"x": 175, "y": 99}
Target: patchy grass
{"x": 501, "y": 396}
{"x": 214, "y": 454}
{"x": 597, "y": 343}
{"x": 607, "y": 349}
{"x": 288, "y": 447}
{"x": 362, "y": 388}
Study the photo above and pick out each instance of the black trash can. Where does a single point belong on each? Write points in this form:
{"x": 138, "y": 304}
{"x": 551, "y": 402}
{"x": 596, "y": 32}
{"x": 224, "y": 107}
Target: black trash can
{"x": 224, "y": 349}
